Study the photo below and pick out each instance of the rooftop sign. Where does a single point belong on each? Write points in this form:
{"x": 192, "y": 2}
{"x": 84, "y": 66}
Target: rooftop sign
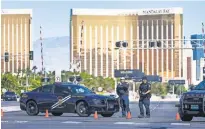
{"x": 115, "y": 12}
{"x": 156, "y": 11}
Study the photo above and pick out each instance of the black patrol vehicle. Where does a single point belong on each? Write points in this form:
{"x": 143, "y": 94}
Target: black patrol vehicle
{"x": 192, "y": 103}
{"x": 59, "y": 98}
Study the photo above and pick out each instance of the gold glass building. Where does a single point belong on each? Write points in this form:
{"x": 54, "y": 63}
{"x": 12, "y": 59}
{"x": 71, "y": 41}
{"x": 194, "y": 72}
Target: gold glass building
{"x": 16, "y": 39}
{"x": 101, "y": 28}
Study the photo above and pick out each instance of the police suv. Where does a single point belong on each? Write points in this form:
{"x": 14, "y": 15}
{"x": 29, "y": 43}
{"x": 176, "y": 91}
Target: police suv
{"x": 192, "y": 103}
{"x": 59, "y": 98}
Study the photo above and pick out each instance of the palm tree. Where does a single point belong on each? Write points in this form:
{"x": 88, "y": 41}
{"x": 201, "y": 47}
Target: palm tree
{"x": 34, "y": 70}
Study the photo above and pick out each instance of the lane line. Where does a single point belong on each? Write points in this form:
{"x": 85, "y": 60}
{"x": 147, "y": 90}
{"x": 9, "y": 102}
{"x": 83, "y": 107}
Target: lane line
{"x": 4, "y": 121}
{"x": 183, "y": 124}
{"x": 124, "y": 123}
{"x": 130, "y": 123}
{"x": 20, "y": 121}
{"x": 71, "y": 122}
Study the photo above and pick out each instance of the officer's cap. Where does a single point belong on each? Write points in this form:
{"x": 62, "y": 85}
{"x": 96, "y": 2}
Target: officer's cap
{"x": 144, "y": 78}
{"x": 122, "y": 78}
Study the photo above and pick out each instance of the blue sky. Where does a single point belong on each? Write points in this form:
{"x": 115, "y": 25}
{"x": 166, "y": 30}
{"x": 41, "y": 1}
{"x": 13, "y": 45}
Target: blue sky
{"x": 54, "y": 16}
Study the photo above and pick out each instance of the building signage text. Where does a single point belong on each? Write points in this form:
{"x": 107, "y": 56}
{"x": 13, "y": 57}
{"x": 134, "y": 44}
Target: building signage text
{"x": 158, "y": 11}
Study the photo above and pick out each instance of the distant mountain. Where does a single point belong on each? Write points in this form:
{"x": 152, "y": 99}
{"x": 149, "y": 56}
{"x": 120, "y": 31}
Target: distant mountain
{"x": 56, "y": 51}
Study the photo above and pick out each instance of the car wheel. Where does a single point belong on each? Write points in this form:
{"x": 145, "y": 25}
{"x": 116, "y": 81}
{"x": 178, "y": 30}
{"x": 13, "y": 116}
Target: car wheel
{"x": 82, "y": 109}
{"x": 32, "y": 108}
{"x": 186, "y": 117}
{"x": 57, "y": 114}
{"x": 107, "y": 114}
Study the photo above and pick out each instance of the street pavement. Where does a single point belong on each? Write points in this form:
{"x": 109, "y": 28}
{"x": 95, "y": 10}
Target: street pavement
{"x": 162, "y": 117}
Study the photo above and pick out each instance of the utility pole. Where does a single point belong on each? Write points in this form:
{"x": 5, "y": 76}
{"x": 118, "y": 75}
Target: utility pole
{"x": 203, "y": 37}
{"x": 42, "y": 61}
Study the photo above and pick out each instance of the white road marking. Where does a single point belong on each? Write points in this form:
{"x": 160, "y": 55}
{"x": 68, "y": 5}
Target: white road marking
{"x": 21, "y": 121}
{"x": 141, "y": 123}
{"x": 130, "y": 123}
{"x": 4, "y": 121}
{"x": 71, "y": 122}
{"x": 186, "y": 124}
{"x": 124, "y": 123}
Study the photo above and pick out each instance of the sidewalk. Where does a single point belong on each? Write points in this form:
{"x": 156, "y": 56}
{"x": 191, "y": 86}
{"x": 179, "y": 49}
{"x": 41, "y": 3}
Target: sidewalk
{"x": 11, "y": 108}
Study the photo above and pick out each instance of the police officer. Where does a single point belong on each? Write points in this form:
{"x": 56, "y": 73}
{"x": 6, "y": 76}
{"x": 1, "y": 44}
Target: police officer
{"x": 123, "y": 93}
{"x": 145, "y": 95}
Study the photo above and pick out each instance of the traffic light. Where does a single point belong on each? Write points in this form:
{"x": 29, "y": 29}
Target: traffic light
{"x": 30, "y": 55}
{"x": 119, "y": 44}
{"x": 6, "y": 55}
{"x": 159, "y": 44}
{"x": 78, "y": 78}
{"x": 71, "y": 79}
{"x": 124, "y": 44}
{"x": 151, "y": 44}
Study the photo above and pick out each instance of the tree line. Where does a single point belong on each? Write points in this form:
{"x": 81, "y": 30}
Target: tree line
{"x": 28, "y": 80}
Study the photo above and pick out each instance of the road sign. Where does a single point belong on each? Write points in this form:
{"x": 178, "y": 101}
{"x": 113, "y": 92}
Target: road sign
{"x": 173, "y": 82}
{"x": 150, "y": 78}
{"x": 128, "y": 73}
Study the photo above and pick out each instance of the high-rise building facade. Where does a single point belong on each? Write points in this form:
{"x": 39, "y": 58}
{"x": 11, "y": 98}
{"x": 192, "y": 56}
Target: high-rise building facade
{"x": 16, "y": 39}
{"x": 95, "y": 39}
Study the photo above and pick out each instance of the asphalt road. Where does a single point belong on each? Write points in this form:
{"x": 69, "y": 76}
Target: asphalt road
{"x": 9, "y": 103}
{"x": 162, "y": 117}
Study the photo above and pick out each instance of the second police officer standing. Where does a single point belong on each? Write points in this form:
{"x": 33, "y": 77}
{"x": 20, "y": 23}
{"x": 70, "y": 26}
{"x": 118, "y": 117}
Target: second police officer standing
{"x": 123, "y": 93}
{"x": 145, "y": 95}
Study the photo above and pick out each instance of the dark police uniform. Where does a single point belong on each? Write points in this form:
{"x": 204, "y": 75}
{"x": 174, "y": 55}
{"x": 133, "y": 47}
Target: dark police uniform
{"x": 123, "y": 93}
{"x": 144, "y": 99}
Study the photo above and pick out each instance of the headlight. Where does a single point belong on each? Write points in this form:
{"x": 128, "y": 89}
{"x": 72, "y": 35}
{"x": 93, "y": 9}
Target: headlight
{"x": 24, "y": 96}
{"x": 97, "y": 101}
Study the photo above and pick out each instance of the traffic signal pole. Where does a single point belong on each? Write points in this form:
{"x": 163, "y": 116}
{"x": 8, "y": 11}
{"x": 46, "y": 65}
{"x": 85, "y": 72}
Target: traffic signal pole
{"x": 160, "y": 44}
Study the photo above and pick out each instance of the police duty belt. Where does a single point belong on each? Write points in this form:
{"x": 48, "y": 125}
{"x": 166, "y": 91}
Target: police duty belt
{"x": 60, "y": 101}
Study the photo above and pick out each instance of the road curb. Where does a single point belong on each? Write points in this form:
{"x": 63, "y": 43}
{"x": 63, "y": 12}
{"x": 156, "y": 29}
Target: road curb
{"x": 11, "y": 109}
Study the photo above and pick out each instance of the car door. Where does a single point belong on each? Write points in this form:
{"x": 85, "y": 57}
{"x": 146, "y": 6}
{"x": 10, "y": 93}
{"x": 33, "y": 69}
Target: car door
{"x": 64, "y": 95}
{"x": 46, "y": 97}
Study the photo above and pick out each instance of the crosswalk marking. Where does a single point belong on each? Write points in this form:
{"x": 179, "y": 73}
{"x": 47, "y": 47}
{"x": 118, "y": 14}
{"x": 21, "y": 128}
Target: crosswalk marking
{"x": 186, "y": 124}
{"x": 71, "y": 122}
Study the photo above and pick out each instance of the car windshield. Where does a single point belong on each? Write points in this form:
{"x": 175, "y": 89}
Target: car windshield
{"x": 200, "y": 86}
{"x": 10, "y": 93}
{"x": 80, "y": 90}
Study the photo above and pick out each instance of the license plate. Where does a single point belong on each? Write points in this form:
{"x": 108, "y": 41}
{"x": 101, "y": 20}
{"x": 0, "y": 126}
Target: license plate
{"x": 195, "y": 107}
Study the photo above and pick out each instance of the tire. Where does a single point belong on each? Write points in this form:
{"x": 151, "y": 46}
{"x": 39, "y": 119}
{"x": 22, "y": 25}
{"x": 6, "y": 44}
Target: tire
{"x": 82, "y": 109}
{"x": 32, "y": 108}
{"x": 107, "y": 114}
{"x": 184, "y": 117}
{"x": 57, "y": 114}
